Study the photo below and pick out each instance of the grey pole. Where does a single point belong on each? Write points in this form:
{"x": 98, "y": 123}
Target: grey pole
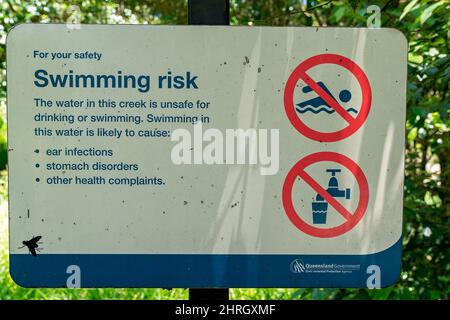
{"x": 209, "y": 12}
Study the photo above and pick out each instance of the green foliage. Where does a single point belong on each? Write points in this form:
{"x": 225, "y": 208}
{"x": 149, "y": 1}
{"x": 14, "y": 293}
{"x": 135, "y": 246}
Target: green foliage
{"x": 427, "y": 182}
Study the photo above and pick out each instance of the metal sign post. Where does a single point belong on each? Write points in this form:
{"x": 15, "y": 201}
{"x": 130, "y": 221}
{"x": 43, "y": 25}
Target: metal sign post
{"x": 209, "y": 12}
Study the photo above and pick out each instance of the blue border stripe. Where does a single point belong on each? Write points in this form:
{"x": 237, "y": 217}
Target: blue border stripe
{"x": 200, "y": 270}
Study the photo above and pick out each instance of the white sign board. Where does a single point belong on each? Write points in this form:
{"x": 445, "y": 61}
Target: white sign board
{"x": 201, "y": 156}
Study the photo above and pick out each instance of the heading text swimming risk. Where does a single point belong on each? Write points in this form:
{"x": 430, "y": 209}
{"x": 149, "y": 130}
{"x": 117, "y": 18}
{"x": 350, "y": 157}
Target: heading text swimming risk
{"x": 119, "y": 80}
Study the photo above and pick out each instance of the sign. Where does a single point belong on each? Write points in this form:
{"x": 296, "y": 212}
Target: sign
{"x": 205, "y": 156}
{"x": 326, "y": 197}
{"x": 324, "y": 96}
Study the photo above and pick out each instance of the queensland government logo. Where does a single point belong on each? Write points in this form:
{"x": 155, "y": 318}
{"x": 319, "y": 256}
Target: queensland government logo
{"x": 299, "y": 266}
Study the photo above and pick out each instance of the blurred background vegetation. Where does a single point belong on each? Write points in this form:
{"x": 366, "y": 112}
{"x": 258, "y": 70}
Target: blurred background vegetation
{"x": 425, "y": 272}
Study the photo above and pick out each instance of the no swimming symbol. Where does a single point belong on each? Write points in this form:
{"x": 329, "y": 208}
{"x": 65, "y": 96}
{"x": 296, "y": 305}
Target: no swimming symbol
{"x": 354, "y": 123}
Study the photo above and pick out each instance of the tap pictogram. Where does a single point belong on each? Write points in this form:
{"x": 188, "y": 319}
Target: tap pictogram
{"x": 320, "y": 206}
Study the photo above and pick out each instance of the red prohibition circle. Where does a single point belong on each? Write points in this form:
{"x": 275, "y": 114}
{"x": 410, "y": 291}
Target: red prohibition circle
{"x": 351, "y": 219}
{"x": 353, "y": 123}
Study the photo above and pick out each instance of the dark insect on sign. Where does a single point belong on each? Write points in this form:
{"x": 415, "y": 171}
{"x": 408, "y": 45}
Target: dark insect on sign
{"x": 32, "y": 245}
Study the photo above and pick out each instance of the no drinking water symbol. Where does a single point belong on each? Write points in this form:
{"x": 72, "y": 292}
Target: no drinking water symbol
{"x": 326, "y": 199}
{"x": 325, "y": 101}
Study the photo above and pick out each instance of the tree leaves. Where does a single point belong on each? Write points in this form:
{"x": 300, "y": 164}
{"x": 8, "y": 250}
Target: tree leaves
{"x": 428, "y": 12}
{"x": 408, "y": 8}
